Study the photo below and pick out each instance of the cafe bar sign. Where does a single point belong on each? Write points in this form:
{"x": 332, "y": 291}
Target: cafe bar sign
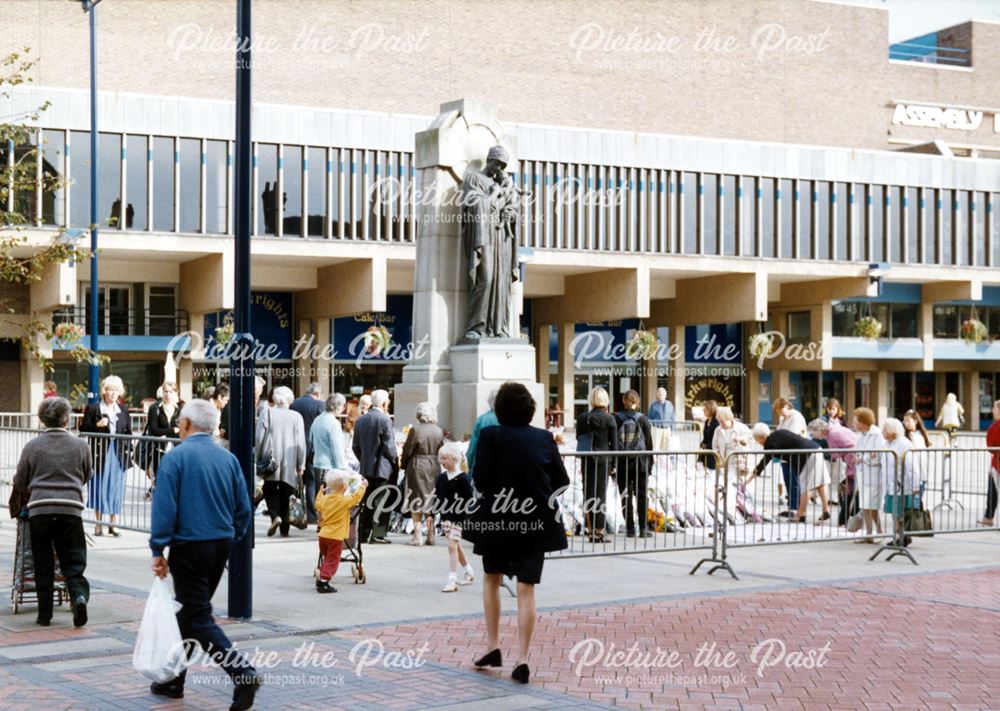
{"x": 939, "y": 116}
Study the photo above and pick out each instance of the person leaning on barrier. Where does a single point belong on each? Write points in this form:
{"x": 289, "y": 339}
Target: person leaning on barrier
{"x": 632, "y": 472}
{"x": 904, "y": 488}
{"x": 598, "y": 428}
{"x": 840, "y": 437}
{"x": 785, "y": 440}
{"x": 993, "y": 483}
{"x": 200, "y": 506}
{"x": 732, "y": 436}
{"x": 111, "y": 456}
{"x": 52, "y": 471}
{"x": 162, "y": 420}
{"x": 869, "y": 474}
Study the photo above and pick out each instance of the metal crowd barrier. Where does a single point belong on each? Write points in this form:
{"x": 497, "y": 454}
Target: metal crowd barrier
{"x": 670, "y": 496}
{"x": 29, "y": 420}
{"x": 124, "y": 467}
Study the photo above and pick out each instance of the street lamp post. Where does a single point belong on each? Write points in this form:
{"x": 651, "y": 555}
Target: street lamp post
{"x": 241, "y": 405}
{"x": 94, "y": 369}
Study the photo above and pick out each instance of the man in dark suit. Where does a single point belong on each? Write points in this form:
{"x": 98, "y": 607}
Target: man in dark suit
{"x": 310, "y": 406}
{"x": 374, "y": 445}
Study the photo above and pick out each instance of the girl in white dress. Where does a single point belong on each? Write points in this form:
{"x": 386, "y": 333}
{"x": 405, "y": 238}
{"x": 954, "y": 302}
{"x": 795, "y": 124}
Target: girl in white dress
{"x": 869, "y": 475}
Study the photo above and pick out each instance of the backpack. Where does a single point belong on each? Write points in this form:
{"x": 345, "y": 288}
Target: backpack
{"x": 630, "y": 438}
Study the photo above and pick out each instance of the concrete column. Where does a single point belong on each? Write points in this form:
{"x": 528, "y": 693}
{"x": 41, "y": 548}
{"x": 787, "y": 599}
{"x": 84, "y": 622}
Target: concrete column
{"x": 751, "y": 397}
{"x": 566, "y": 372}
{"x": 970, "y": 399}
{"x": 926, "y": 331}
{"x": 850, "y": 402}
{"x": 675, "y": 389}
{"x": 304, "y": 373}
{"x": 880, "y": 395}
{"x": 780, "y": 384}
{"x": 185, "y": 376}
{"x": 324, "y": 368}
{"x": 34, "y": 377}
{"x": 650, "y": 367}
{"x": 542, "y": 345}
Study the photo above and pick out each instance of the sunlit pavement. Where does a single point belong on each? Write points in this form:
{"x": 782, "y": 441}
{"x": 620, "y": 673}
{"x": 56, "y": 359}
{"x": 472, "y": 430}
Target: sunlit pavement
{"x": 813, "y": 626}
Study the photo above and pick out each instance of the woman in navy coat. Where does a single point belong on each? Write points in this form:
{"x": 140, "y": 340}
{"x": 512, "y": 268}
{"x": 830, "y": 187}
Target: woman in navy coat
{"x": 517, "y": 521}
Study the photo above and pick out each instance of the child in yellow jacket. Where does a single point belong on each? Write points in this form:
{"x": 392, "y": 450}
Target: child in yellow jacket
{"x": 333, "y": 507}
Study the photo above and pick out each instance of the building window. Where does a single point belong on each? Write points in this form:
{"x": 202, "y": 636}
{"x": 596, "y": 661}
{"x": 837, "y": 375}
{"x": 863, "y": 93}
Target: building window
{"x": 822, "y": 204}
{"x": 786, "y": 201}
{"x": 876, "y": 237}
{"x": 136, "y": 182}
{"x": 53, "y": 171}
{"x": 216, "y": 182}
{"x": 689, "y": 198}
{"x": 163, "y": 184}
{"x": 946, "y": 324}
{"x": 912, "y": 211}
{"x": 291, "y": 190}
{"x": 79, "y": 175}
{"x": 840, "y": 205}
{"x": 710, "y": 226}
{"x": 894, "y": 206}
{"x": 946, "y": 254}
{"x": 267, "y": 189}
{"x": 805, "y": 204}
{"x": 766, "y": 191}
{"x": 317, "y": 168}
{"x": 898, "y": 320}
{"x": 799, "y": 326}
{"x": 25, "y": 176}
{"x": 162, "y": 311}
{"x": 189, "y": 151}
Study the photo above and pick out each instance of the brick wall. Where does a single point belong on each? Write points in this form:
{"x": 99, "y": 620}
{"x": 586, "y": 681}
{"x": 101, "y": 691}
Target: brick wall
{"x": 772, "y": 70}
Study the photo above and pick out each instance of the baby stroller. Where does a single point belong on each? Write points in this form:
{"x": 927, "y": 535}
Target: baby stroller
{"x": 352, "y": 552}
{"x": 23, "y": 587}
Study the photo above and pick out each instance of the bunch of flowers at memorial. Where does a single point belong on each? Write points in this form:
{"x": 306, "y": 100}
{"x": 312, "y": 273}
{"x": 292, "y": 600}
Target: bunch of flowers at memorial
{"x": 974, "y": 330}
{"x": 642, "y": 345}
{"x": 868, "y": 327}
{"x": 760, "y": 345}
{"x": 377, "y": 340}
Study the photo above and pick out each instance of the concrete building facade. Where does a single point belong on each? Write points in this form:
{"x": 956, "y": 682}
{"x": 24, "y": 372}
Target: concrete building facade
{"x": 789, "y": 193}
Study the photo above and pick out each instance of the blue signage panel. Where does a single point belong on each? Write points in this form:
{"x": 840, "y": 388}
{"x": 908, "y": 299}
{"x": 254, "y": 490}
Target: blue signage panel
{"x": 350, "y": 342}
{"x": 719, "y": 343}
{"x": 270, "y": 322}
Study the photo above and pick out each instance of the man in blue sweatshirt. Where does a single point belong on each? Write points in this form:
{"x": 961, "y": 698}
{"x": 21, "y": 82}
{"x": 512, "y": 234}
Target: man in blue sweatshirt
{"x": 201, "y": 504}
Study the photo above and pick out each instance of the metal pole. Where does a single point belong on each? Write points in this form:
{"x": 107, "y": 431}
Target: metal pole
{"x": 241, "y": 405}
{"x": 94, "y": 369}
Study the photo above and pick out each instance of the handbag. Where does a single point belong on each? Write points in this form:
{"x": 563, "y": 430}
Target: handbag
{"x": 856, "y": 520}
{"x": 266, "y": 464}
{"x": 918, "y": 519}
{"x": 18, "y": 502}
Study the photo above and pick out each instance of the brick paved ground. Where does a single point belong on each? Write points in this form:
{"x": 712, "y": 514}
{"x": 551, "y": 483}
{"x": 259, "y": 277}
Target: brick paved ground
{"x": 924, "y": 641}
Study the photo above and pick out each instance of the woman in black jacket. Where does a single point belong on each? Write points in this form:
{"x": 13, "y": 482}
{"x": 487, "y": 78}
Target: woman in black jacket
{"x": 111, "y": 455}
{"x": 520, "y": 472}
{"x": 597, "y": 431}
{"x": 708, "y": 433}
{"x": 162, "y": 420}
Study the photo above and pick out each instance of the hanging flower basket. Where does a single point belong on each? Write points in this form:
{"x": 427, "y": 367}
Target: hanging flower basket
{"x": 642, "y": 345}
{"x": 760, "y": 345}
{"x": 974, "y": 331}
{"x": 868, "y": 327}
{"x": 377, "y": 340}
{"x": 68, "y": 332}
{"x": 224, "y": 333}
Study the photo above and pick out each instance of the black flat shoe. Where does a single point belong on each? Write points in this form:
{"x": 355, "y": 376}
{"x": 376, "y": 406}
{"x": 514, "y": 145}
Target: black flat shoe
{"x": 245, "y": 691}
{"x": 491, "y": 659}
{"x": 80, "y": 612}
{"x": 43, "y": 621}
{"x": 170, "y": 690}
{"x": 521, "y": 673}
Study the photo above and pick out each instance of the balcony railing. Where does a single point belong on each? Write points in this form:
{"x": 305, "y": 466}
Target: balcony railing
{"x": 132, "y": 322}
